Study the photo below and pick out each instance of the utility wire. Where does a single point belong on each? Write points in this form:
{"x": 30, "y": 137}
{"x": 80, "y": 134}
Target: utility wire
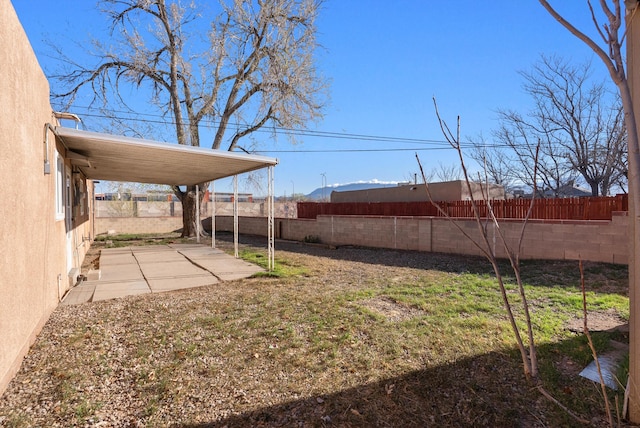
{"x": 433, "y": 143}
{"x": 290, "y": 131}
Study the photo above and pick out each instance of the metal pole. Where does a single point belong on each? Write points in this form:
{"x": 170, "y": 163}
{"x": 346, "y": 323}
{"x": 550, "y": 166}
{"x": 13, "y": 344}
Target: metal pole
{"x": 198, "y": 213}
{"x": 270, "y": 223}
{"x": 213, "y": 215}
{"x": 235, "y": 216}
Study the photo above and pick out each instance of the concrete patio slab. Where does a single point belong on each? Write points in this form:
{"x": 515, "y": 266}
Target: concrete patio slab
{"x": 115, "y": 290}
{"x": 201, "y": 252}
{"x": 81, "y": 294}
{"x": 121, "y": 272}
{"x": 159, "y": 257}
{"x": 227, "y": 264}
{"x": 214, "y": 258}
{"x": 154, "y": 269}
{"x": 186, "y": 246}
{"x": 117, "y": 259}
{"x": 171, "y": 269}
{"x": 159, "y": 285}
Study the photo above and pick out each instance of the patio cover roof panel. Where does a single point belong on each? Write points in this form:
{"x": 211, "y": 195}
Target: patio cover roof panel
{"x": 116, "y": 158}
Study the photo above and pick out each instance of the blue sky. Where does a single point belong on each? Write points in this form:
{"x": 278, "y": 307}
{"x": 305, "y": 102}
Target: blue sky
{"x": 386, "y": 60}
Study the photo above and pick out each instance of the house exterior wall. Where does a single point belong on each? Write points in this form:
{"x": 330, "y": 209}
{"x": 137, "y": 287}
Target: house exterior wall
{"x": 595, "y": 240}
{"x": 445, "y": 191}
{"x": 36, "y": 253}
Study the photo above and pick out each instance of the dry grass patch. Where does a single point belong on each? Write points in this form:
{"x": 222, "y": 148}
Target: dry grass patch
{"x": 390, "y": 309}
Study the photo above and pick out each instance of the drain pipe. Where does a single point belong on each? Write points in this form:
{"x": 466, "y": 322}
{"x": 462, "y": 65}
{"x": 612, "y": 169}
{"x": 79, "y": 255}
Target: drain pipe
{"x": 66, "y": 115}
{"x": 49, "y": 127}
{"x": 47, "y": 165}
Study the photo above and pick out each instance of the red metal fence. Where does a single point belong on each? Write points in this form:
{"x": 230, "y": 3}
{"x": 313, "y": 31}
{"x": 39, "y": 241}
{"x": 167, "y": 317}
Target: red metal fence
{"x": 592, "y": 208}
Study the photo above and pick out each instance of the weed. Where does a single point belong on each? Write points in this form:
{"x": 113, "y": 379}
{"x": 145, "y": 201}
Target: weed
{"x": 281, "y": 269}
{"x": 16, "y": 420}
{"x": 86, "y": 409}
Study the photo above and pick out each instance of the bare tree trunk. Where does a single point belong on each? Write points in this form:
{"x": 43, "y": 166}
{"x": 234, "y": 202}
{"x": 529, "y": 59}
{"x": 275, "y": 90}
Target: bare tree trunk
{"x": 189, "y": 216}
{"x": 188, "y": 200}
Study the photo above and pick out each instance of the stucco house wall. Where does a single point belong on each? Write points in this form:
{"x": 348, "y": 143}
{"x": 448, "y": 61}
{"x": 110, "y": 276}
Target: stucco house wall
{"x": 37, "y": 254}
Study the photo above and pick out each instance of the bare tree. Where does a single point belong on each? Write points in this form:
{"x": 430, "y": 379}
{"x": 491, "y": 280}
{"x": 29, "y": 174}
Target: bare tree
{"x": 536, "y": 154}
{"x": 613, "y": 162}
{"x": 490, "y": 237}
{"x": 578, "y": 123}
{"x": 446, "y": 172}
{"x": 610, "y": 52}
{"x": 494, "y": 161}
{"x": 255, "y": 69}
{"x": 483, "y": 244}
{"x": 582, "y": 116}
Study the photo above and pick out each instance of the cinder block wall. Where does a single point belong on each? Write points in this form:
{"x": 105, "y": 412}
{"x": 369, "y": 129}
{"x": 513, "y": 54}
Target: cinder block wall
{"x": 123, "y": 209}
{"x": 137, "y": 224}
{"x": 601, "y": 241}
{"x": 597, "y": 240}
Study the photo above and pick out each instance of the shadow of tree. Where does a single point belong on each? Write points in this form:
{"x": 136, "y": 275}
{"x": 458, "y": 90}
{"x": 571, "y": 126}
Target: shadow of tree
{"x": 487, "y": 390}
{"x": 546, "y": 273}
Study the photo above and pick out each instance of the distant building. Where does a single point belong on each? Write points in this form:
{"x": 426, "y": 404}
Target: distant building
{"x": 569, "y": 190}
{"x": 171, "y": 197}
{"x": 444, "y": 191}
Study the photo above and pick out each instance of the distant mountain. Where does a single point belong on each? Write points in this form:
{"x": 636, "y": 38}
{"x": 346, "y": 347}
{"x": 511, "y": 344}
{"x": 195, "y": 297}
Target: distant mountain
{"x": 326, "y": 191}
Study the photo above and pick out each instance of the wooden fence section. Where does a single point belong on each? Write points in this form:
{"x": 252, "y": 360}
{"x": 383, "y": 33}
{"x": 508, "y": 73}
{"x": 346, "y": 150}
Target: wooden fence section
{"x": 591, "y": 208}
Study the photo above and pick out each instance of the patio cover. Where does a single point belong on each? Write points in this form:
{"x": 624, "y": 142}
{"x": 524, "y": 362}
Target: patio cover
{"x": 116, "y": 158}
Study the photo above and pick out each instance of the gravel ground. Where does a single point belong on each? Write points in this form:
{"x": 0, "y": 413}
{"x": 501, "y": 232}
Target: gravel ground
{"x": 241, "y": 354}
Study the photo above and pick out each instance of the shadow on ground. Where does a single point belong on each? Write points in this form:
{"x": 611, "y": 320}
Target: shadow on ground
{"x": 557, "y": 273}
{"x": 484, "y": 391}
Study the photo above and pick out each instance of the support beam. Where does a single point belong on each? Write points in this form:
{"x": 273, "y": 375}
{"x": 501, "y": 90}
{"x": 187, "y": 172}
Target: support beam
{"x": 198, "y": 225}
{"x": 270, "y": 222}
{"x": 213, "y": 215}
{"x": 235, "y": 216}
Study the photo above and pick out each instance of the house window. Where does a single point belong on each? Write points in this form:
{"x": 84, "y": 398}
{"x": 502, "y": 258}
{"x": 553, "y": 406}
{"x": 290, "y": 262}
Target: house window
{"x": 60, "y": 187}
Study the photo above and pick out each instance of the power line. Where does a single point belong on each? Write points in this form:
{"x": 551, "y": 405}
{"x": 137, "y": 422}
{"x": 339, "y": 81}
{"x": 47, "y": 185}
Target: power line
{"x": 433, "y": 143}
{"x": 290, "y": 131}
{"x": 405, "y": 149}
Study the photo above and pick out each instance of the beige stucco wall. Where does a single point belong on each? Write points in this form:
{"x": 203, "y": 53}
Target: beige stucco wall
{"x": 33, "y": 255}
{"x": 445, "y": 191}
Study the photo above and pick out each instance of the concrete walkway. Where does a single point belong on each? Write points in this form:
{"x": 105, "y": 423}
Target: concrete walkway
{"x": 153, "y": 269}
